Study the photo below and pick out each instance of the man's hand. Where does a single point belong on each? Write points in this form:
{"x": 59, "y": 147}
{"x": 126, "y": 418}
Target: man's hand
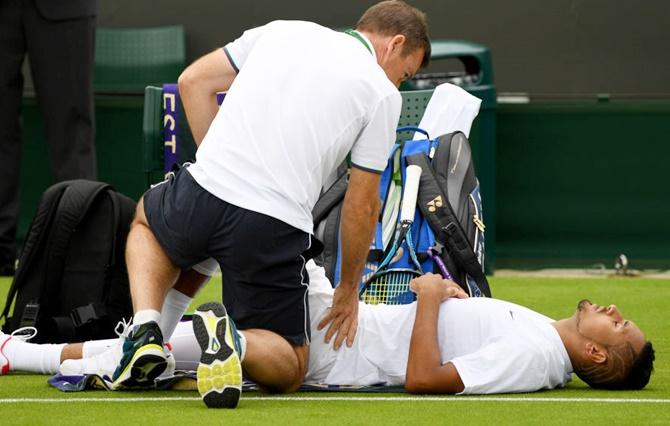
{"x": 434, "y": 286}
{"x": 342, "y": 316}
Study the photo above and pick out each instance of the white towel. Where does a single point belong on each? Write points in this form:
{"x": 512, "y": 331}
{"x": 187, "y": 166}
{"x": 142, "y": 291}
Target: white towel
{"x": 449, "y": 109}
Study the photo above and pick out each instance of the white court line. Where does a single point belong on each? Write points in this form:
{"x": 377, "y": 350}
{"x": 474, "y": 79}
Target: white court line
{"x": 346, "y": 398}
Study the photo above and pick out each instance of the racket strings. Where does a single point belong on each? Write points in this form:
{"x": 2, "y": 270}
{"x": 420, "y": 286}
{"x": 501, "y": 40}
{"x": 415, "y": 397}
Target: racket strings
{"x": 390, "y": 287}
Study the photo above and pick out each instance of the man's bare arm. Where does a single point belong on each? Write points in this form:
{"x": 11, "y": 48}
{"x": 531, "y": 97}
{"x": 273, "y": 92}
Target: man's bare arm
{"x": 425, "y": 371}
{"x": 198, "y": 85}
{"x": 359, "y": 215}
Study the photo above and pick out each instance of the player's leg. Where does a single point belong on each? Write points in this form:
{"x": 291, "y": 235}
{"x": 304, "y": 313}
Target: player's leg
{"x": 179, "y": 298}
{"x": 150, "y": 270}
{"x": 167, "y": 236}
{"x": 102, "y": 356}
{"x": 92, "y": 357}
{"x": 151, "y": 274}
{"x": 17, "y": 354}
{"x": 273, "y": 363}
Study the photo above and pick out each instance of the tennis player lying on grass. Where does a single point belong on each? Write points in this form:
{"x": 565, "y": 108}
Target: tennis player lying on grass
{"x": 443, "y": 343}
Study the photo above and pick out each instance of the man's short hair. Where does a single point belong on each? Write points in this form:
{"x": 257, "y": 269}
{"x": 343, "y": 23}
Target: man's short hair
{"x": 392, "y": 17}
{"x": 623, "y": 370}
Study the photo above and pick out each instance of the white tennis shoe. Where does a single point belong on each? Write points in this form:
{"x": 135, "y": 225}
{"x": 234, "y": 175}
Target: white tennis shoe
{"x": 23, "y": 333}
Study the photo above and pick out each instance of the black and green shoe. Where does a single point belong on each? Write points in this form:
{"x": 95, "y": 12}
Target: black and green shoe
{"x": 144, "y": 358}
{"x": 220, "y": 368}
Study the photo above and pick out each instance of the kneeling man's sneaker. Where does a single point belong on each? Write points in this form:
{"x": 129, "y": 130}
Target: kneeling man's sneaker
{"x": 104, "y": 364}
{"x": 143, "y": 359}
{"x": 220, "y": 368}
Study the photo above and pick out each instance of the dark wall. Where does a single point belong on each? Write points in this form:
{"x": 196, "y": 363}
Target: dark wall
{"x": 539, "y": 47}
{"x": 577, "y": 183}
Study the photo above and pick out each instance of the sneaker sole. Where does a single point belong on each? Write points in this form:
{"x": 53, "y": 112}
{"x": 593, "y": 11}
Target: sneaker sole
{"x": 146, "y": 365}
{"x": 220, "y": 370}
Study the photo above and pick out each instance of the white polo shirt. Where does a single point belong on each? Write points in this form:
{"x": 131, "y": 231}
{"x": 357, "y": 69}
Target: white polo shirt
{"x": 496, "y": 346}
{"x": 304, "y": 97}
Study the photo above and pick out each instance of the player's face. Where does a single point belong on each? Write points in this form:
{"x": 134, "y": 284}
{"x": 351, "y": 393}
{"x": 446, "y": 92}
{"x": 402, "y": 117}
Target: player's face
{"x": 607, "y": 326}
{"x": 397, "y": 64}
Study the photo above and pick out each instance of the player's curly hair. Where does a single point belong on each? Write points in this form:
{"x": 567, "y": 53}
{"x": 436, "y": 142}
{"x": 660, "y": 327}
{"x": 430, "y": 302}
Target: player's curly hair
{"x": 393, "y": 17}
{"x": 623, "y": 369}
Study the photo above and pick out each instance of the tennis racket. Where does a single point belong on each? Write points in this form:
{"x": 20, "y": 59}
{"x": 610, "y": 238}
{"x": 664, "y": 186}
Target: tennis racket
{"x": 391, "y": 286}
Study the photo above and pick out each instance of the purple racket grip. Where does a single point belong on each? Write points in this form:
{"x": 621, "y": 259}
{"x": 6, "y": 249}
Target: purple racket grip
{"x": 440, "y": 264}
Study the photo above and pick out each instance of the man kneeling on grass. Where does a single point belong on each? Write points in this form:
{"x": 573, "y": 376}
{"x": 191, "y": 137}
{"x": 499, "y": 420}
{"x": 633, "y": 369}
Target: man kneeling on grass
{"x": 443, "y": 343}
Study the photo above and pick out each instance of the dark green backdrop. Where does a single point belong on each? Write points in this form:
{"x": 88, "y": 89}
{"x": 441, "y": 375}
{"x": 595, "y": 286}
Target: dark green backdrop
{"x": 577, "y": 182}
{"x": 580, "y": 182}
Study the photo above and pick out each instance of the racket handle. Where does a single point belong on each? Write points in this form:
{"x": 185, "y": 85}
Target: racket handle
{"x": 440, "y": 264}
{"x": 412, "y": 177}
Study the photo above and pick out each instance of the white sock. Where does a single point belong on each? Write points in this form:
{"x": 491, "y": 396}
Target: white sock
{"x": 243, "y": 345}
{"x": 33, "y": 357}
{"x": 146, "y": 315}
{"x": 174, "y": 306}
{"x": 185, "y": 347}
{"x": 96, "y": 347}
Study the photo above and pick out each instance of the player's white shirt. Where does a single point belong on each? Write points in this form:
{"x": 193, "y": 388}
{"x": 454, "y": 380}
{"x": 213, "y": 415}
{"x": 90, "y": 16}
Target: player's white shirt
{"x": 304, "y": 97}
{"x": 496, "y": 346}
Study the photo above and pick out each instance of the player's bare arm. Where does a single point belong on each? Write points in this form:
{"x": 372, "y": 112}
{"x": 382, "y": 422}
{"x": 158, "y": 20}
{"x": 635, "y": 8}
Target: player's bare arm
{"x": 359, "y": 214}
{"x": 425, "y": 371}
{"x": 198, "y": 85}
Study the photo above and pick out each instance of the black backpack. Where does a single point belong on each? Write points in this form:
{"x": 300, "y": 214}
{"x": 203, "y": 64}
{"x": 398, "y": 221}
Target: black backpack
{"x": 71, "y": 282}
{"x": 449, "y": 202}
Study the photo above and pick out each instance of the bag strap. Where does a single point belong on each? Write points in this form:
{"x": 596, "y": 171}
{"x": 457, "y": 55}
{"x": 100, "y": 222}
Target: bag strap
{"x": 74, "y": 205}
{"x": 113, "y": 256}
{"x": 116, "y": 219}
{"x": 413, "y": 129}
{"x": 330, "y": 199}
{"x": 440, "y": 216}
{"x": 36, "y": 236}
{"x": 331, "y": 237}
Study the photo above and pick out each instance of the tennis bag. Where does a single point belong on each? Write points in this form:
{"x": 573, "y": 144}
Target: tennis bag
{"x": 448, "y": 217}
{"x": 71, "y": 282}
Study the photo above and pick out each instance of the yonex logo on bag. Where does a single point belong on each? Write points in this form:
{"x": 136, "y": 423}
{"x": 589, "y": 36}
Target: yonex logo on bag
{"x": 434, "y": 203}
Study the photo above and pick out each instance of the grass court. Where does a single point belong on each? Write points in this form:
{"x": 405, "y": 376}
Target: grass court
{"x": 28, "y": 399}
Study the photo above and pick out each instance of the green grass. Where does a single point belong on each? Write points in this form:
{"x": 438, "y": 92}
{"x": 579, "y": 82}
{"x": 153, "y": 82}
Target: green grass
{"x": 643, "y": 300}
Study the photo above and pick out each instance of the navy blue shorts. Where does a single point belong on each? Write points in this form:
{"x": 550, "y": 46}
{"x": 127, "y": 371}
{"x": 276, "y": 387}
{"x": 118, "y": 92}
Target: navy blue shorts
{"x": 262, "y": 259}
